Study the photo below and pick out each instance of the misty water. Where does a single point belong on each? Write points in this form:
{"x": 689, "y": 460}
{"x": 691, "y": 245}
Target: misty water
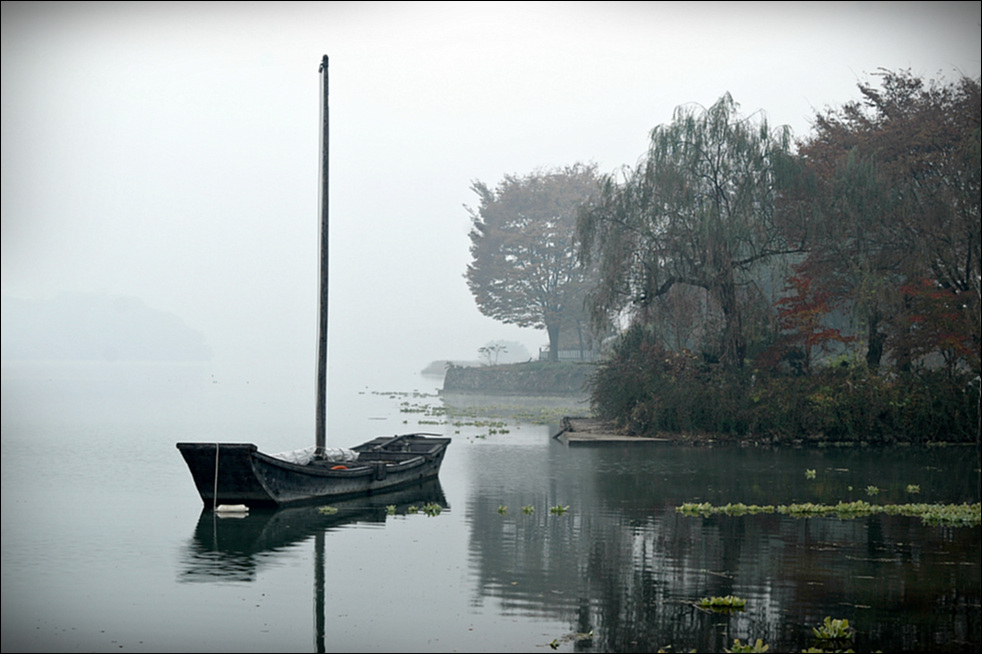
{"x": 106, "y": 546}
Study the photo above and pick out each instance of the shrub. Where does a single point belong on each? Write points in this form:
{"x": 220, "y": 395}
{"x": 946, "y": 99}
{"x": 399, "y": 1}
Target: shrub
{"x": 649, "y": 389}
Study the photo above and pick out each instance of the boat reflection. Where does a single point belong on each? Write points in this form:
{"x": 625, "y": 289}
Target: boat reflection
{"x": 233, "y": 547}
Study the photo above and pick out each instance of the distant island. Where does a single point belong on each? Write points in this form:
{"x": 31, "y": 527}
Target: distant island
{"x": 96, "y": 327}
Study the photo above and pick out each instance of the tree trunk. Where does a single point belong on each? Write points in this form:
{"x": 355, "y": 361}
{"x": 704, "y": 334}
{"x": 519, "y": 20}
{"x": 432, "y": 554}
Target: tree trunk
{"x": 553, "y": 330}
{"x": 874, "y": 343}
{"x": 733, "y": 344}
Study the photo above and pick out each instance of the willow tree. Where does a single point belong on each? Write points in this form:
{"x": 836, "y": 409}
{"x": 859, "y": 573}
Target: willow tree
{"x": 524, "y": 269}
{"x": 698, "y": 210}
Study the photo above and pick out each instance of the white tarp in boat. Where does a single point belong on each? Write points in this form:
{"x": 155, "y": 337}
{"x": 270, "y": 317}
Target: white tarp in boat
{"x": 306, "y": 455}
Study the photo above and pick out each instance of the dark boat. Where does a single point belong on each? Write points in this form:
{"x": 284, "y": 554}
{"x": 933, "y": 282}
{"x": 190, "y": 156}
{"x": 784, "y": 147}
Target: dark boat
{"x": 239, "y": 475}
{"x": 230, "y": 474}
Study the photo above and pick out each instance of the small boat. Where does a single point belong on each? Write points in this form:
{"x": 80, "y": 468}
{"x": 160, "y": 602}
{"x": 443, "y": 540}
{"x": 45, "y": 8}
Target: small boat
{"x": 233, "y": 474}
{"x": 237, "y": 476}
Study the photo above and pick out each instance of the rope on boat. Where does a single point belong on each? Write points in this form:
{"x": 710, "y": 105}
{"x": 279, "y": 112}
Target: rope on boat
{"x": 214, "y": 498}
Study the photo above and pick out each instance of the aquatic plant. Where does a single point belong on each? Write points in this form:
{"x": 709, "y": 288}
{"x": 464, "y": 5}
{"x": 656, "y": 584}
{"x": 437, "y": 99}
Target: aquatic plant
{"x": 391, "y": 509}
{"x": 951, "y": 515}
{"x": 705, "y": 508}
{"x": 528, "y": 509}
{"x": 872, "y": 490}
{"x": 759, "y": 646}
{"x": 727, "y": 603}
{"x": 577, "y": 637}
{"x": 558, "y": 510}
{"x": 502, "y": 509}
{"x": 328, "y": 510}
{"x": 432, "y": 509}
{"x": 809, "y": 473}
{"x": 913, "y": 488}
{"x": 837, "y": 629}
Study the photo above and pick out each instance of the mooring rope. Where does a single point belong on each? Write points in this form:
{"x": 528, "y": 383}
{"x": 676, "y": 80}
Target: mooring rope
{"x": 214, "y": 498}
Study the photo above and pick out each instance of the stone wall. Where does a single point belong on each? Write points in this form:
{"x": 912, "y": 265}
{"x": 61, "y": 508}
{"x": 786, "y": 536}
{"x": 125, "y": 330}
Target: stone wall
{"x": 519, "y": 378}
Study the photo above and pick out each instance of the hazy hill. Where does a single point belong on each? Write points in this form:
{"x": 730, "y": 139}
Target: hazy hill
{"x": 96, "y": 327}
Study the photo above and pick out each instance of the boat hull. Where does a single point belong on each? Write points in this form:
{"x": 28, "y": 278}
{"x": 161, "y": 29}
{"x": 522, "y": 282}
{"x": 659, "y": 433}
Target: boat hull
{"x": 238, "y": 473}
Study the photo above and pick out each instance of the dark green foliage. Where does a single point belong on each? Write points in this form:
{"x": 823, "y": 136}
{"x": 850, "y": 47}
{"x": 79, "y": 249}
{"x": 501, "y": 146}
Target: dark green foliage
{"x": 847, "y": 403}
{"x": 698, "y": 212}
{"x": 649, "y": 389}
{"x": 871, "y": 225}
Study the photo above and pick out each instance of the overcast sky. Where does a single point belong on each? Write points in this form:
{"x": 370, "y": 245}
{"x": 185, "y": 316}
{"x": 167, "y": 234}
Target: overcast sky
{"x": 170, "y": 151}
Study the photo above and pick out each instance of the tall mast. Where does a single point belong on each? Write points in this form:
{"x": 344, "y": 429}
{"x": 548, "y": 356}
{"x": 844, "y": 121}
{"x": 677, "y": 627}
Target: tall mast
{"x": 321, "y": 421}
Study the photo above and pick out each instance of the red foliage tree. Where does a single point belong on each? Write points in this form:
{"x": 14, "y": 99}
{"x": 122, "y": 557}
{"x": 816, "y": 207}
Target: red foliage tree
{"x": 802, "y": 322}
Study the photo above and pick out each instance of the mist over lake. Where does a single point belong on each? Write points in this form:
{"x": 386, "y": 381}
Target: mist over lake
{"x": 160, "y": 258}
{"x": 106, "y": 544}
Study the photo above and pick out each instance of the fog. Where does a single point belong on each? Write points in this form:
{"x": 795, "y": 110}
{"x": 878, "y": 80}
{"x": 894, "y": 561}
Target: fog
{"x": 169, "y": 151}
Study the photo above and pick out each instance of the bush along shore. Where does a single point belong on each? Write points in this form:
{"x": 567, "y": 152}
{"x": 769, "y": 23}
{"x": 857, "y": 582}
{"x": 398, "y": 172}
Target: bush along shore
{"x": 664, "y": 393}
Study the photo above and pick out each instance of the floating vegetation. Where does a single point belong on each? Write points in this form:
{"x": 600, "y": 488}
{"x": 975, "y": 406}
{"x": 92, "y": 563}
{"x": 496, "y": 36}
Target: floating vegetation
{"x": 727, "y": 603}
{"x": 492, "y": 419}
{"x": 872, "y": 490}
{"x": 432, "y": 509}
{"x": 830, "y": 634}
{"x": 759, "y": 646}
{"x": 578, "y": 637}
{"x": 950, "y": 515}
{"x": 834, "y": 630}
{"x": 558, "y": 510}
{"x": 809, "y": 473}
{"x": 528, "y": 509}
{"x": 398, "y": 394}
{"x": 706, "y": 509}
{"x": 913, "y": 488}
{"x": 502, "y": 509}
{"x": 328, "y": 510}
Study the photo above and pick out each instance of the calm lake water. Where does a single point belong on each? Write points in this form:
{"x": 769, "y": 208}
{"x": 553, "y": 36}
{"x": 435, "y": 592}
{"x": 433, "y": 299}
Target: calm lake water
{"x": 105, "y": 546}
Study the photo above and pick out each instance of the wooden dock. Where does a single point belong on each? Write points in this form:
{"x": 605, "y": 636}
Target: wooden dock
{"x": 591, "y": 431}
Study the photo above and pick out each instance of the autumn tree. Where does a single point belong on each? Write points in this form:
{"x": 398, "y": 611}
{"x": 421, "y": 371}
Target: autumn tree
{"x": 802, "y": 319}
{"x": 697, "y": 211}
{"x": 524, "y": 269}
{"x": 898, "y": 204}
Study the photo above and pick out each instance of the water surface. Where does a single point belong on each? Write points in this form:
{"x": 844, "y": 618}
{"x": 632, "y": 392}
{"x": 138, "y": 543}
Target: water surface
{"x": 106, "y": 546}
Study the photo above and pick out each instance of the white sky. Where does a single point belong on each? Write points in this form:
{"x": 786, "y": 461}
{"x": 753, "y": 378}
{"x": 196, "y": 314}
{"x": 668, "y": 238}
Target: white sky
{"x": 169, "y": 150}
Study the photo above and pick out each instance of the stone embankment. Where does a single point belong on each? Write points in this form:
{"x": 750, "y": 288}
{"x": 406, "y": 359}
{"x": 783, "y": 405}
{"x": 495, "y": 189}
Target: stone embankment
{"x": 534, "y": 378}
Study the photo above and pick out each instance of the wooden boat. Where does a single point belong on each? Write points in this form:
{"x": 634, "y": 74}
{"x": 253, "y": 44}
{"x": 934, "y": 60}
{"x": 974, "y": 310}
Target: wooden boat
{"x": 238, "y": 474}
{"x": 230, "y": 474}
